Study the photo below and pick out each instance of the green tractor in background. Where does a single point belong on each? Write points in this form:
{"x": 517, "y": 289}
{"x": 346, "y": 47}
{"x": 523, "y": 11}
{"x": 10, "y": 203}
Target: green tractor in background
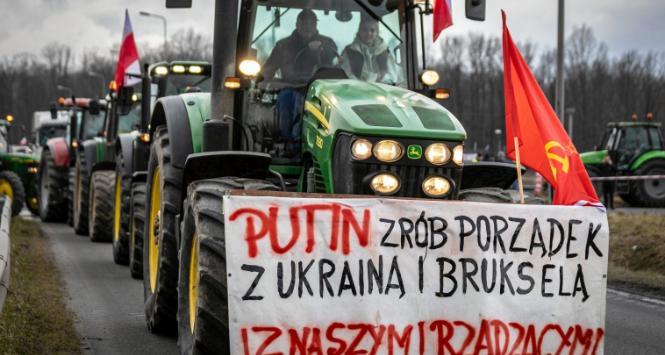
{"x": 635, "y": 149}
{"x": 385, "y": 138}
{"x": 18, "y": 173}
{"x": 131, "y": 150}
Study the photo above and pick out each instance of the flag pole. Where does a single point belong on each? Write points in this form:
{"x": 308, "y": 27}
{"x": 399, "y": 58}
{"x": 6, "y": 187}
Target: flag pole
{"x": 519, "y": 169}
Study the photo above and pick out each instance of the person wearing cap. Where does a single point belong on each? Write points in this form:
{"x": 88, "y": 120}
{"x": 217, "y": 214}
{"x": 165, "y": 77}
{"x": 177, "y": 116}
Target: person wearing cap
{"x": 296, "y": 57}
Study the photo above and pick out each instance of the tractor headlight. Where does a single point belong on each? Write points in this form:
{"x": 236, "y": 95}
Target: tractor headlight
{"x": 458, "y": 154}
{"x": 195, "y": 69}
{"x": 437, "y": 154}
{"x": 178, "y": 68}
{"x": 436, "y": 186}
{"x": 388, "y": 151}
{"x": 429, "y": 77}
{"x": 161, "y": 70}
{"x": 385, "y": 184}
{"x": 250, "y": 67}
{"x": 33, "y": 170}
{"x": 361, "y": 149}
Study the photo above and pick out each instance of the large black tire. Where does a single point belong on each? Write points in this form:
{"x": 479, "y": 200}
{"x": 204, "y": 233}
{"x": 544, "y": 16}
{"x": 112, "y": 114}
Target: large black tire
{"x": 203, "y": 218}
{"x": 161, "y": 279}
{"x": 136, "y": 230}
{"x": 70, "y": 196}
{"x": 53, "y": 181}
{"x": 101, "y": 206}
{"x": 10, "y": 184}
{"x": 121, "y": 216}
{"x": 81, "y": 192}
{"x": 649, "y": 193}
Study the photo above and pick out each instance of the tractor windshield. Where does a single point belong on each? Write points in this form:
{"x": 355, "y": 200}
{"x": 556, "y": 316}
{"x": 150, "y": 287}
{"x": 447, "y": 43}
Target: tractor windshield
{"x": 130, "y": 121}
{"x": 3, "y": 139}
{"x": 291, "y": 42}
{"x": 179, "y": 84}
{"x": 48, "y": 132}
{"x": 92, "y": 124}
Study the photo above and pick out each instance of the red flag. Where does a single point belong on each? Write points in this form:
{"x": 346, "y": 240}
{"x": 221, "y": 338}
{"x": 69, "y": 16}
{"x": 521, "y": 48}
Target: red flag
{"x": 544, "y": 144}
{"x": 443, "y": 17}
{"x": 128, "y": 70}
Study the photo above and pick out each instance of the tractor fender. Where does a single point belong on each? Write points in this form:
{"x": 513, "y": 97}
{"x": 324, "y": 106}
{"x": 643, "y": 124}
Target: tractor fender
{"x": 172, "y": 112}
{"x": 140, "y": 155}
{"x": 208, "y": 165}
{"x": 89, "y": 150}
{"x": 103, "y": 165}
{"x": 642, "y": 159}
{"x": 124, "y": 143}
{"x": 59, "y": 151}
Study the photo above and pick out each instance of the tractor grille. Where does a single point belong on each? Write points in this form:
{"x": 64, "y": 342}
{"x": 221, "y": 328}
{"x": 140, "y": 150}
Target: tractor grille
{"x": 353, "y": 177}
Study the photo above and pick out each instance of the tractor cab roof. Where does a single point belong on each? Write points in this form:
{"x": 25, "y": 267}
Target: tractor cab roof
{"x": 80, "y": 102}
{"x": 633, "y": 124}
{"x": 180, "y": 67}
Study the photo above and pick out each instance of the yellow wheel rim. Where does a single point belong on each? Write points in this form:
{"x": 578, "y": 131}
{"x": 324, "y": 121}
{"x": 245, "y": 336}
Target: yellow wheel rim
{"x": 116, "y": 214}
{"x": 6, "y": 189}
{"x": 193, "y": 282}
{"x": 154, "y": 227}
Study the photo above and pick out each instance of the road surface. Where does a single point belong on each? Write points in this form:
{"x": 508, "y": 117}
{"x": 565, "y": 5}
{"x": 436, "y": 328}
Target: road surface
{"x": 109, "y": 305}
{"x": 107, "y": 301}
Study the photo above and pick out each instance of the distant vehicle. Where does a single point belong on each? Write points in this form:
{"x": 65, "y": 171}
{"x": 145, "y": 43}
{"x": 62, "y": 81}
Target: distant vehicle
{"x": 17, "y": 174}
{"x": 635, "y": 148}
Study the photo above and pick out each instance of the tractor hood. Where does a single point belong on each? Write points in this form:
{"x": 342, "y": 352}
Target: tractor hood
{"x": 376, "y": 109}
{"x": 593, "y": 157}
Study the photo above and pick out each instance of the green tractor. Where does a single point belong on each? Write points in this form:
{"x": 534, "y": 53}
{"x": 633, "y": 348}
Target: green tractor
{"x": 635, "y": 149}
{"x": 352, "y": 134}
{"x": 18, "y": 173}
{"x": 131, "y": 151}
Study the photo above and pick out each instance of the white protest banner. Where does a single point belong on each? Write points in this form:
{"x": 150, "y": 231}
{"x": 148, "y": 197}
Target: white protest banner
{"x": 387, "y": 276}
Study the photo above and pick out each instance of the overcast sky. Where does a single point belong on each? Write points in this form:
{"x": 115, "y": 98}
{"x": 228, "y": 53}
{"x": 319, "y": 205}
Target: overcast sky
{"x": 27, "y": 25}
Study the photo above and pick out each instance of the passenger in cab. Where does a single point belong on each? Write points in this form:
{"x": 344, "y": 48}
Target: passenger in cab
{"x": 296, "y": 57}
{"x": 368, "y": 57}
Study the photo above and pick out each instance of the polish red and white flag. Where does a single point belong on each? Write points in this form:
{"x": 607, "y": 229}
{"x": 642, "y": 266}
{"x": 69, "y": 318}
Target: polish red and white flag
{"x": 443, "y": 17}
{"x": 128, "y": 69}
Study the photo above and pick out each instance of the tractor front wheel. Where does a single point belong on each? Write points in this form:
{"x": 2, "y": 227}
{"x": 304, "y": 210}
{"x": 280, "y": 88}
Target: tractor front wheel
{"x": 137, "y": 214}
{"x": 203, "y": 326}
{"x": 11, "y": 186}
{"x": 80, "y": 196}
{"x": 650, "y": 193}
{"x": 101, "y": 206}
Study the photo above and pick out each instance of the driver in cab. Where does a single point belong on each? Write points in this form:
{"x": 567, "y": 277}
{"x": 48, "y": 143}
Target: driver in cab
{"x": 296, "y": 57}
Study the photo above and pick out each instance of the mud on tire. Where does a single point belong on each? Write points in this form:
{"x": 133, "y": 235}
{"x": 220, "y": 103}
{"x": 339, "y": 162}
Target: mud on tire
{"x": 52, "y": 181}
{"x": 101, "y": 206}
{"x": 160, "y": 294}
{"x": 203, "y": 219}
{"x": 137, "y": 213}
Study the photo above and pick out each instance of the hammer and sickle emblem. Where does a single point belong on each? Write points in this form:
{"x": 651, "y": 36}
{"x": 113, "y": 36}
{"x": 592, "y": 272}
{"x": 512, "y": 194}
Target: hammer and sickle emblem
{"x": 553, "y": 157}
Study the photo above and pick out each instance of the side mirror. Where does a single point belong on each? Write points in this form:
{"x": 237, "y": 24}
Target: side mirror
{"x": 54, "y": 112}
{"x": 475, "y": 10}
{"x": 178, "y": 4}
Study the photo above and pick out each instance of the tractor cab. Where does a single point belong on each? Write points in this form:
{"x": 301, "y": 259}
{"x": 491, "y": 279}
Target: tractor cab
{"x": 86, "y": 118}
{"x": 626, "y": 141}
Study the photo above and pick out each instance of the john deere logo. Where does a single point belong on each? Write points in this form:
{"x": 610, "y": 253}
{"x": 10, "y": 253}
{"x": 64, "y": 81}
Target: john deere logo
{"x": 414, "y": 151}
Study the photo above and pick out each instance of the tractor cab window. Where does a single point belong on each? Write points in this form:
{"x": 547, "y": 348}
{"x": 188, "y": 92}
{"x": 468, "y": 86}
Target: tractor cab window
{"x": 655, "y": 138}
{"x": 92, "y": 124}
{"x": 48, "y": 132}
{"x": 291, "y": 43}
{"x": 130, "y": 121}
{"x": 180, "y": 84}
{"x": 634, "y": 141}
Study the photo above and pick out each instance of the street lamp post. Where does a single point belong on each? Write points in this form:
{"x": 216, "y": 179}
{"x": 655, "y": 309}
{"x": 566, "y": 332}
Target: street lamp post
{"x": 148, "y": 14}
{"x": 101, "y": 77}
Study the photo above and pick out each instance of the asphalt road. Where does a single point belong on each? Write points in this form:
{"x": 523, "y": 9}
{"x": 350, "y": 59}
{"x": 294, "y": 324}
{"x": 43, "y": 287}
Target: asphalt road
{"x": 107, "y": 301}
{"x": 109, "y": 307}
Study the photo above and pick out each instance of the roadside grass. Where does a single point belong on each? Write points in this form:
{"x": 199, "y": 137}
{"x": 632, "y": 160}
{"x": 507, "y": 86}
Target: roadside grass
{"x": 637, "y": 251}
{"x": 35, "y": 319}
